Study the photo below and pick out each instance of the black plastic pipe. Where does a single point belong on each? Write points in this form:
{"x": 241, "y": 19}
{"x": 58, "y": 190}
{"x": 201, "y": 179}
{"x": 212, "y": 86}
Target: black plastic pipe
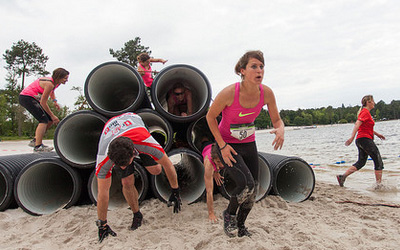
{"x": 10, "y": 166}
{"x": 47, "y": 185}
{"x": 264, "y": 182}
{"x": 117, "y": 199}
{"x": 190, "y": 170}
{"x": 293, "y": 178}
{"x": 193, "y": 79}
{"x": 158, "y": 127}
{"x": 77, "y": 137}
{"x": 113, "y": 88}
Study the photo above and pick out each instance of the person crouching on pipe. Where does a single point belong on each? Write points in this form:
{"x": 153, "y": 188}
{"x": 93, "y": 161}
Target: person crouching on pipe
{"x": 123, "y": 138}
{"x": 212, "y": 166}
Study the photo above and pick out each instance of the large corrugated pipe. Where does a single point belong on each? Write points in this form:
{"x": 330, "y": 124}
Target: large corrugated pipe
{"x": 10, "y": 166}
{"x": 190, "y": 170}
{"x": 117, "y": 199}
{"x": 264, "y": 182}
{"x": 197, "y": 131}
{"x": 77, "y": 136}
{"x": 113, "y": 88}
{"x": 47, "y": 185}
{"x": 193, "y": 79}
{"x": 158, "y": 127}
{"x": 293, "y": 178}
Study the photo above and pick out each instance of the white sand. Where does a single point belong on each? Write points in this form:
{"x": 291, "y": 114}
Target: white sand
{"x": 318, "y": 223}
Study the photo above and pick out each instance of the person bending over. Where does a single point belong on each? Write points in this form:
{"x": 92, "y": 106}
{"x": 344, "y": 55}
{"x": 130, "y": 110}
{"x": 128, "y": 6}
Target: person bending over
{"x": 123, "y": 138}
{"x": 212, "y": 167}
{"x": 34, "y": 98}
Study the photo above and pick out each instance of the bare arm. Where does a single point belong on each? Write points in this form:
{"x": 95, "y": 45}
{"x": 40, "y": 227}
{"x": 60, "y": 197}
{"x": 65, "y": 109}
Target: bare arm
{"x": 279, "y": 126}
{"x": 169, "y": 171}
{"x": 158, "y": 60}
{"x": 354, "y": 132}
{"x": 103, "y": 188}
{"x": 48, "y": 88}
{"x": 223, "y": 99}
{"x": 208, "y": 179}
{"x": 189, "y": 102}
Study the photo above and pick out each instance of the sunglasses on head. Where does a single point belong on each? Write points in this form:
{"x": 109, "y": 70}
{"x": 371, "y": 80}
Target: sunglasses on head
{"x": 179, "y": 93}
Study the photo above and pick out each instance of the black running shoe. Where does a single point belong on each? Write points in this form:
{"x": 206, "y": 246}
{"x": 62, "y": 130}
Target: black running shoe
{"x": 230, "y": 224}
{"x": 242, "y": 231}
{"x": 136, "y": 222}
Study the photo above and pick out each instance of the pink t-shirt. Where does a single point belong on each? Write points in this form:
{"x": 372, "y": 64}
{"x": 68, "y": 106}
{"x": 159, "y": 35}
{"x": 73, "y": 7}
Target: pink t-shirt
{"x": 34, "y": 88}
{"x": 147, "y": 78}
{"x": 237, "y": 124}
{"x": 207, "y": 152}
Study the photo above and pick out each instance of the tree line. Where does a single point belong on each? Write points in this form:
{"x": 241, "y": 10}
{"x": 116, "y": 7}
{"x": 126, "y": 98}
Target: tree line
{"x": 329, "y": 115}
{"x": 27, "y": 59}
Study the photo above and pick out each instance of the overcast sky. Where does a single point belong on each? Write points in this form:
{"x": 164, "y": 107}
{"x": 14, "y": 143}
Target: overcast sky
{"x": 317, "y": 53}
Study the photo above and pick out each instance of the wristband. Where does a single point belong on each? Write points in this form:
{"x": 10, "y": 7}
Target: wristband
{"x": 54, "y": 100}
{"x": 223, "y": 146}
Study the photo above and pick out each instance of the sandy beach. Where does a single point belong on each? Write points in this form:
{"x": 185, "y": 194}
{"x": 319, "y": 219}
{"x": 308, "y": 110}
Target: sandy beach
{"x": 318, "y": 223}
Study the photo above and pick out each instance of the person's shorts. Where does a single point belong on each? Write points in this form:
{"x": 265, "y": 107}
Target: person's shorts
{"x": 33, "y": 106}
{"x": 145, "y": 161}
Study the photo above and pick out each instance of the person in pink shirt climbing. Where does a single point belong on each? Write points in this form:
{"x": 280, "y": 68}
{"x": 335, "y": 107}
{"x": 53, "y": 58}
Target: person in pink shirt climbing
{"x": 34, "y": 98}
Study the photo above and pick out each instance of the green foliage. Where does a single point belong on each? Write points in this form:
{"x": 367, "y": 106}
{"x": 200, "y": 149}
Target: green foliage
{"x": 263, "y": 120}
{"x": 80, "y": 103}
{"x": 342, "y": 114}
{"x": 24, "y": 59}
{"x": 128, "y": 54}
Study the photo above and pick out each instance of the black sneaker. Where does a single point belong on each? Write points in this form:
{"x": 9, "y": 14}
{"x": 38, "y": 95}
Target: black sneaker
{"x": 137, "y": 221}
{"x": 242, "y": 231}
{"x": 230, "y": 224}
{"x": 340, "y": 179}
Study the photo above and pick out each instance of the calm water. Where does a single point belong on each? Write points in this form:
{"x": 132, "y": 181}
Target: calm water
{"x": 323, "y": 148}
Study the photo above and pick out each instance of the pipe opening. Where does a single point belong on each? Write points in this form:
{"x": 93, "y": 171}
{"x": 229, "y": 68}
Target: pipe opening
{"x": 198, "y": 131}
{"x": 294, "y": 181}
{"x": 44, "y": 187}
{"x": 117, "y": 199}
{"x": 190, "y": 170}
{"x": 3, "y": 188}
{"x": 192, "y": 79}
{"x": 263, "y": 186}
{"x": 77, "y": 138}
{"x": 158, "y": 127}
{"x": 114, "y": 88}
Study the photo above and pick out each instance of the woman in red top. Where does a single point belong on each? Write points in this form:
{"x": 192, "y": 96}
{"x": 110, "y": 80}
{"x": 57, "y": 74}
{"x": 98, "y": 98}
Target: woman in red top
{"x": 364, "y": 128}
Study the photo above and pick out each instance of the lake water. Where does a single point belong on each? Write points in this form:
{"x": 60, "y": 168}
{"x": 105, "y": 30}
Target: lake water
{"x": 323, "y": 148}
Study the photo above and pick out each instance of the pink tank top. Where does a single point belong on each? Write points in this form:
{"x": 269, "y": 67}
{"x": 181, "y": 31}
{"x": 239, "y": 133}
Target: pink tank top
{"x": 237, "y": 124}
{"x": 147, "y": 79}
{"x": 34, "y": 88}
{"x": 207, "y": 152}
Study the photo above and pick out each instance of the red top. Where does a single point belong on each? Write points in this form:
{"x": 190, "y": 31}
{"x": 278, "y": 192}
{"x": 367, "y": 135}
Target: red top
{"x": 367, "y": 126}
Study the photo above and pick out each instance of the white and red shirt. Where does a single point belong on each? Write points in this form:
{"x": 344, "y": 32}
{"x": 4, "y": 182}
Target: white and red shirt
{"x": 128, "y": 125}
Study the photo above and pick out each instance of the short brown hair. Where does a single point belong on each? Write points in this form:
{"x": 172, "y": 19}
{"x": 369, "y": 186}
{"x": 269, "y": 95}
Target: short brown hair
{"x": 142, "y": 57}
{"x": 59, "y": 74}
{"x": 244, "y": 60}
{"x": 121, "y": 150}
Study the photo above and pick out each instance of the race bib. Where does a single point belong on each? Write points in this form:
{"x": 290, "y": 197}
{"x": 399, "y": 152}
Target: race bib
{"x": 242, "y": 131}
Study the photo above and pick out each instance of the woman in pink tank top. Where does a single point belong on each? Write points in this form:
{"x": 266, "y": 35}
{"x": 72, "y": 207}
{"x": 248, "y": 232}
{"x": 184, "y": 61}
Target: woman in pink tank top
{"x": 240, "y": 104}
{"x": 34, "y": 98}
{"x": 144, "y": 67}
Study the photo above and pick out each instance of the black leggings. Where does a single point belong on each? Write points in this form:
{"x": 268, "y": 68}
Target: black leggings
{"x": 245, "y": 175}
{"x": 366, "y": 146}
{"x": 34, "y": 107}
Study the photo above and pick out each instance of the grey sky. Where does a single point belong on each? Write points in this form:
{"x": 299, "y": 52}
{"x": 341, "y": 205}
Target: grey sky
{"x": 318, "y": 53}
